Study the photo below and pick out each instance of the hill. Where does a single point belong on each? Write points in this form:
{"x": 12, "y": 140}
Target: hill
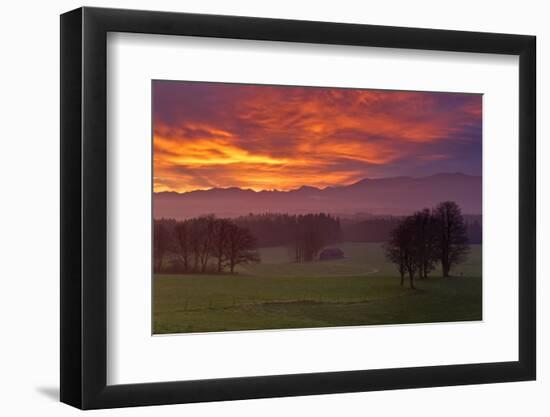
{"x": 382, "y": 196}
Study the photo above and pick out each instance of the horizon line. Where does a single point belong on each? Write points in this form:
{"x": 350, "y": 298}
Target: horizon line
{"x": 317, "y": 188}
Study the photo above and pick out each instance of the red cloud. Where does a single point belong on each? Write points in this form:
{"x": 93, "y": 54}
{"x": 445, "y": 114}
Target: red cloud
{"x": 267, "y": 137}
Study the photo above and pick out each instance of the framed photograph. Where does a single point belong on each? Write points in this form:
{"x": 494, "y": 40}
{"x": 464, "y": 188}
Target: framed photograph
{"x": 257, "y": 208}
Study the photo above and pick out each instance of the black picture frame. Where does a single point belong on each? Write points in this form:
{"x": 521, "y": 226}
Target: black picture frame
{"x": 84, "y": 207}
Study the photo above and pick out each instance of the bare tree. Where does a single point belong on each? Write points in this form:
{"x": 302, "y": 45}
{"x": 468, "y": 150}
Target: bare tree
{"x": 402, "y": 249}
{"x": 221, "y": 235}
{"x": 161, "y": 244}
{"x": 424, "y": 225}
{"x": 396, "y": 254}
{"x": 452, "y": 240}
{"x": 196, "y": 237}
{"x": 201, "y": 244}
{"x": 240, "y": 247}
{"x": 207, "y": 239}
{"x": 182, "y": 244}
{"x": 410, "y": 248}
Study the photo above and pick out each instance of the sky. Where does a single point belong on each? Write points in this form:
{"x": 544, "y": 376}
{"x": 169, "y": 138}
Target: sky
{"x": 220, "y": 135}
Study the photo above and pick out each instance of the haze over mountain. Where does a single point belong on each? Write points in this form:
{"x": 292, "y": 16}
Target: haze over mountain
{"x": 383, "y": 196}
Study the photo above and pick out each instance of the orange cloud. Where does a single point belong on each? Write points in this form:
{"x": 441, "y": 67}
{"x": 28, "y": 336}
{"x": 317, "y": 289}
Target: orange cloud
{"x": 264, "y": 137}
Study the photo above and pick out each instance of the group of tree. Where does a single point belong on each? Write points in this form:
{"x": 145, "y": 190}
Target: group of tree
{"x": 202, "y": 244}
{"x": 426, "y": 238}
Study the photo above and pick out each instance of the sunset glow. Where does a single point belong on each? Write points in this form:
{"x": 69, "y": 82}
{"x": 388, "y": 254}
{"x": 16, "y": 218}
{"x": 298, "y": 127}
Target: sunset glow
{"x": 209, "y": 135}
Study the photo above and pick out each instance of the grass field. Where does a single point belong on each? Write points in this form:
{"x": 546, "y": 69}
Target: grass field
{"x": 362, "y": 289}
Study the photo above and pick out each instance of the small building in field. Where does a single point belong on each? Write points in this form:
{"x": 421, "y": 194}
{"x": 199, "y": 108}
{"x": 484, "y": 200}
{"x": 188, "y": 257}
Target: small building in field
{"x": 331, "y": 253}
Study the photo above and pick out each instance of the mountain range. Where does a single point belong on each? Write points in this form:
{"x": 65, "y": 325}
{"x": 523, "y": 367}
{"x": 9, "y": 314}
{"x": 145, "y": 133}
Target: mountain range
{"x": 381, "y": 196}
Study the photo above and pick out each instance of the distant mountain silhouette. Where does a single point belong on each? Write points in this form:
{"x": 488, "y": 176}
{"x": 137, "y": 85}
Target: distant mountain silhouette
{"x": 382, "y": 196}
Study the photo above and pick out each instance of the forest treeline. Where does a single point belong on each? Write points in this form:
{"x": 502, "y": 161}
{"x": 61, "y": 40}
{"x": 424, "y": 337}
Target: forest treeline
{"x": 305, "y": 235}
{"x": 379, "y": 229}
{"x": 279, "y": 229}
{"x": 209, "y": 244}
{"x": 275, "y": 229}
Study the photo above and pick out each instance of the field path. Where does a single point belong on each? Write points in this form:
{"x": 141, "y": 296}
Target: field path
{"x": 373, "y": 271}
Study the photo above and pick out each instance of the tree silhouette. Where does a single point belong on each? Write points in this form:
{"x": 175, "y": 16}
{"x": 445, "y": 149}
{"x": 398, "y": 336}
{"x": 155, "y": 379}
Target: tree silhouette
{"x": 395, "y": 252}
{"x": 222, "y": 229}
{"x": 207, "y": 225}
{"x": 426, "y": 237}
{"x": 240, "y": 247}
{"x": 452, "y": 241}
{"x": 161, "y": 245}
{"x": 425, "y": 234}
{"x": 182, "y": 244}
{"x": 402, "y": 249}
{"x": 202, "y": 244}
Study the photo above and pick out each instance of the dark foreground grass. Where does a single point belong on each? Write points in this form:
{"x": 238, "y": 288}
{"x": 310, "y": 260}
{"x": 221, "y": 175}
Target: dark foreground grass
{"x": 359, "y": 290}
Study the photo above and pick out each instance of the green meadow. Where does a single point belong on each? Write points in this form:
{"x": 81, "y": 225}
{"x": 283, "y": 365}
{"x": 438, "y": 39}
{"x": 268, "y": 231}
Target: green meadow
{"x": 361, "y": 289}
